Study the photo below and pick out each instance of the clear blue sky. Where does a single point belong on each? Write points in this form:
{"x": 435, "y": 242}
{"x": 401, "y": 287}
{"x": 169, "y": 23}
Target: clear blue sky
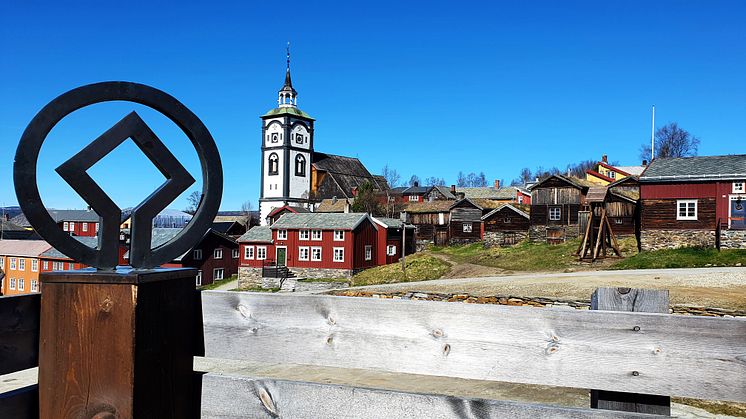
{"x": 430, "y": 88}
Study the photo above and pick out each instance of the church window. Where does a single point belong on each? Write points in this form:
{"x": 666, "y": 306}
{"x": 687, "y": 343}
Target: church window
{"x": 300, "y": 165}
{"x": 273, "y": 164}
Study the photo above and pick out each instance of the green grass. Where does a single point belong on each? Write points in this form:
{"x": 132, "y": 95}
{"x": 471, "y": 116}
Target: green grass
{"x": 525, "y": 256}
{"x": 325, "y": 280}
{"x": 216, "y": 284}
{"x": 420, "y": 267}
{"x": 688, "y": 257}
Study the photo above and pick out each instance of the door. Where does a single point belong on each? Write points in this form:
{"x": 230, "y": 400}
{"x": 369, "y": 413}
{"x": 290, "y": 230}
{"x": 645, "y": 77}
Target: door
{"x": 281, "y": 256}
{"x": 738, "y": 214}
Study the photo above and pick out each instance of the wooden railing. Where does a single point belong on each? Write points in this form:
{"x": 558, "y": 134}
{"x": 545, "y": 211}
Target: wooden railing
{"x": 631, "y": 352}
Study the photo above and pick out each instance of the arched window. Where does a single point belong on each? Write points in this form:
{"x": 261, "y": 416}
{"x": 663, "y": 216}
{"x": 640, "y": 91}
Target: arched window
{"x": 273, "y": 164}
{"x": 300, "y": 165}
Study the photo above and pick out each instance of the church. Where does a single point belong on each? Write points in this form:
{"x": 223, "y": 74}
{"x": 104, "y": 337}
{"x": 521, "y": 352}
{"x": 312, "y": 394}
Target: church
{"x": 293, "y": 173}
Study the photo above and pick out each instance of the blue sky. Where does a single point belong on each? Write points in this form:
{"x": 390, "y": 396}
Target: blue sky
{"x": 429, "y": 88}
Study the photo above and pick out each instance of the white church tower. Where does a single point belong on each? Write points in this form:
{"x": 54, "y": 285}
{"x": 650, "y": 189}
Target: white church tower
{"x": 287, "y": 150}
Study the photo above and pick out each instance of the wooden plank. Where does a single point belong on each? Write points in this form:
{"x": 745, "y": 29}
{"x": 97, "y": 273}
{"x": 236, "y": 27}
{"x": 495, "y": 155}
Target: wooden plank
{"x": 22, "y": 403}
{"x": 688, "y": 356}
{"x": 245, "y": 397}
{"x": 19, "y": 332}
{"x": 634, "y": 300}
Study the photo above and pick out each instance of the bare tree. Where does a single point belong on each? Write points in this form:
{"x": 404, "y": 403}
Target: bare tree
{"x": 434, "y": 181}
{"x": 578, "y": 169}
{"x": 414, "y": 179}
{"x": 193, "y": 199}
{"x": 391, "y": 175}
{"x": 481, "y": 180}
{"x": 671, "y": 141}
{"x": 247, "y": 214}
{"x": 461, "y": 180}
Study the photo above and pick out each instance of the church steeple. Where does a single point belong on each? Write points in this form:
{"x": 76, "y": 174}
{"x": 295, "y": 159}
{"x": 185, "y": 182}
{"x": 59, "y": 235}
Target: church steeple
{"x": 287, "y": 96}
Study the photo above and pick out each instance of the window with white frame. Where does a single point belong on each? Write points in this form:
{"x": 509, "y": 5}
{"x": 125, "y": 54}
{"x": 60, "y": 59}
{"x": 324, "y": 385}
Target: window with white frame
{"x": 520, "y": 199}
{"x": 34, "y": 265}
{"x": 198, "y": 278}
{"x": 58, "y": 266}
{"x": 218, "y": 274}
{"x": 391, "y": 250}
{"x": 316, "y": 254}
{"x": 72, "y": 226}
{"x": 686, "y": 209}
{"x": 95, "y": 227}
{"x": 368, "y": 252}
{"x": 13, "y": 264}
{"x": 45, "y": 265}
{"x": 739, "y": 187}
{"x": 34, "y": 285}
{"x": 21, "y": 264}
{"x": 555, "y": 213}
{"x": 197, "y": 254}
{"x": 235, "y": 253}
{"x": 339, "y": 254}
{"x": 467, "y": 227}
{"x": 248, "y": 252}
{"x": 282, "y": 234}
{"x": 414, "y": 198}
{"x": 339, "y": 235}
{"x": 12, "y": 284}
{"x": 21, "y": 284}
{"x": 315, "y": 234}
{"x": 304, "y": 234}
{"x": 85, "y": 227}
{"x": 612, "y": 174}
{"x": 70, "y": 266}
{"x": 65, "y": 226}
{"x": 261, "y": 252}
{"x": 303, "y": 253}
{"x": 2, "y": 262}
{"x": 217, "y": 253}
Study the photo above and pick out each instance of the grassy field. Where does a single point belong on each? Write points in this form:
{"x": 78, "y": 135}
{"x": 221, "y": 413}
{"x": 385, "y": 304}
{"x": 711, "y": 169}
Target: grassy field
{"x": 216, "y": 284}
{"x": 525, "y": 256}
{"x": 691, "y": 257}
{"x": 420, "y": 267}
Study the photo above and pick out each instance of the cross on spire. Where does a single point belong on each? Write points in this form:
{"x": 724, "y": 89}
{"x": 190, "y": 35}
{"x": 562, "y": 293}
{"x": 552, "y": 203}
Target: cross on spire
{"x": 288, "y": 97}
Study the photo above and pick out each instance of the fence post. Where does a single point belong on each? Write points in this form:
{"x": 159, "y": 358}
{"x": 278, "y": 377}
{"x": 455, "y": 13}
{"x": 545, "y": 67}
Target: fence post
{"x": 639, "y": 300}
{"x": 118, "y": 344}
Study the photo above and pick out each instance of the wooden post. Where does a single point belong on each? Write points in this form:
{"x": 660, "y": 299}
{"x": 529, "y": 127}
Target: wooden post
{"x": 117, "y": 344}
{"x": 639, "y": 300}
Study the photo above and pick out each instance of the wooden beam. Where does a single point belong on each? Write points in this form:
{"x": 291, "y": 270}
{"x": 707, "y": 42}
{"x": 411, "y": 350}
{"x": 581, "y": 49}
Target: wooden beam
{"x": 635, "y": 300}
{"x": 585, "y": 236}
{"x": 612, "y": 236}
{"x": 245, "y": 397}
{"x": 687, "y": 356}
{"x": 19, "y": 332}
{"x": 600, "y": 234}
{"x": 22, "y": 403}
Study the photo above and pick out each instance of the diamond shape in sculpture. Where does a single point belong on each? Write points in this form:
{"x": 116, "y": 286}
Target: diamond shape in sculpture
{"x": 178, "y": 179}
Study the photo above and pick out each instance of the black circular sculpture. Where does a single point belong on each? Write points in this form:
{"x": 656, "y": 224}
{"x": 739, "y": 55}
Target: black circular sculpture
{"x": 74, "y": 173}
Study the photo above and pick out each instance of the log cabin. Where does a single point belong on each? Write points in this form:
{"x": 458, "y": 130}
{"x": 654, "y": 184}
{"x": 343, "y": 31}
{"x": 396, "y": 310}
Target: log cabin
{"x": 430, "y": 219}
{"x": 506, "y": 225}
{"x": 556, "y": 203}
{"x": 694, "y": 202}
{"x": 466, "y": 222}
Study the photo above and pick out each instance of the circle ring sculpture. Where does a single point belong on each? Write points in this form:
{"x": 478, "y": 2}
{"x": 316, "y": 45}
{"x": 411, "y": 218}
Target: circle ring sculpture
{"x": 27, "y": 154}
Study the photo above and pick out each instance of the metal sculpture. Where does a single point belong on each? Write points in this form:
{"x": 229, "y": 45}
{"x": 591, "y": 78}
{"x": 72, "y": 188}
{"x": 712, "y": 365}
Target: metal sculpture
{"x": 74, "y": 173}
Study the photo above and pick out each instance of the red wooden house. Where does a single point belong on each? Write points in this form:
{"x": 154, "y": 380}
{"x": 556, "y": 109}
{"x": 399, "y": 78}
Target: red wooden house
{"x": 391, "y": 238}
{"x": 75, "y": 222}
{"x": 694, "y": 201}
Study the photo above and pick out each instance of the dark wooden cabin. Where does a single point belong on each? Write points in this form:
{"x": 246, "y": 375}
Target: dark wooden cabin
{"x": 556, "y": 203}
{"x": 506, "y": 225}
{"x": 430, "y": 219}
{"x": 466, "y": 222}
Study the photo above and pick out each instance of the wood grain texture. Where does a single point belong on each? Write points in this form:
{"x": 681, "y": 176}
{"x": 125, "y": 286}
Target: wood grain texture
{"x": 22, "y": 403}
{"x": 634, "y": 300}
{"x": 19, "y": 332}
{"x": 243, "y": 397}
{"x": 633, "y": 352}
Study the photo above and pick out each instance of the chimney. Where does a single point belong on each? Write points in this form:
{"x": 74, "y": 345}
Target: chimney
{"x": 416, "y": 184}
{"x": 605, "y": 159}
{"x": 497, "y": 183}
{"x": 644, "y": 162}
{"x": 453, "y": 189}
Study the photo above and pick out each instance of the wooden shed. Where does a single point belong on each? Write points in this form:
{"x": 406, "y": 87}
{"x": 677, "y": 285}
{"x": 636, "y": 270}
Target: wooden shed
{"x": 466, "y": 221}
{"x": 506, "y": 225}
{"x": 430, "y": 219}
{"x": 556, "y": 204}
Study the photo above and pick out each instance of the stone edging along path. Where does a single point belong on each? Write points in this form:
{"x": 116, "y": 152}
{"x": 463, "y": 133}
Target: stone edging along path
{"x": 529, "y": 301}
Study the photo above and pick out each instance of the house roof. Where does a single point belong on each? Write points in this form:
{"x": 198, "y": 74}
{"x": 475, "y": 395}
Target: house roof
{"x": 511, "y": 207}
{"x": 702, "y": 168}
{"x": 292, "y": 111}
{"x": 632, "y": 196}
{"x": 347, "y": 172}
{"x": 53, "y": 253}
{"x": 576, "y": 182}
{"x": 596, "y": 194}
{"x": 614, "y": 168}
{"x": 489, "y": 192}
{"x": 599, "y": 175}
{"x": 416, "y": 190}
{"x": 320, "y": 221}
{"x": 427, "y": 207}
{"x": 288, "y": 208}
{"x": 632, "y": 170}
{"x": 23, "y": 248}
{"x": 58, "y": 216}
{"x": 624, "y": 180}
{"x": 257, "y": 234}
{"x": 224, "y": 226}
{"x": 333, "y": 205}
{"x": 445, "y": 191}
{"x": 487, "y": 203}
{"x": 390, "y": 222}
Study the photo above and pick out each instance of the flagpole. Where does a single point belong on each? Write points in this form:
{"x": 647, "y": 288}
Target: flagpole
{"x": 652, "y": 137}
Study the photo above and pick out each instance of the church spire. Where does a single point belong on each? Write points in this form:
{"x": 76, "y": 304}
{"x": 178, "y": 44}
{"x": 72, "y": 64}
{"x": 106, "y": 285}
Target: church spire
{"x": 288, "y": 96}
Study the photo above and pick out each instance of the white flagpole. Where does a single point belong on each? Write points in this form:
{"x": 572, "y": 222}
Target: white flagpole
{"x": 652, "y": 137}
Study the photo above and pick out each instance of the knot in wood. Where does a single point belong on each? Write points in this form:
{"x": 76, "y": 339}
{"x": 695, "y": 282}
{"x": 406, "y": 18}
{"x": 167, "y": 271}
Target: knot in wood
{"x": 552, "y": 348}
{"x": 636, "y": 328}
{"x": 438, "y": 333}
{"x": 331, "y": 320}
{"x": 446, "y": 349}
{"x": 107, "y": 305}
{"x": 623, "y": 290}
{"x": 635, "y": 373}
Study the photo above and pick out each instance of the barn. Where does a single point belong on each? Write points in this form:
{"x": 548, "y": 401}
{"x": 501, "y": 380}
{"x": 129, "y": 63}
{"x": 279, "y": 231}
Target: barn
{"x": 556, "y": 204}
{"x": 506, "y": 225}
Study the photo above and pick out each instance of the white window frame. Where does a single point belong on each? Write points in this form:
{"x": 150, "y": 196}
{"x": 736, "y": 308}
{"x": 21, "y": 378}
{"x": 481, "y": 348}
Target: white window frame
{"x": 467, "y": 227}
{"x": 313, "y": 235}
{"x": 197, "y": 254}
{"x": 85, "y": 227}
{"x": 235, "y": 253}
{"x": 220, "y": 271}
{"x": 72, "y": 225}
{"x": 34, "y": 265}
{"x": 2, "y": 262}
{"x": 739, "y": 187}
{"x": 261, "y": 253}
{"x": 217, "y": 253}
{"x": 12, "y": 284}
{"x": 314, "y": 249}
{"x": 65, "y": 226}
{"x": 13, "y": 264}
{"x": 304, "y": 234}
{"x": 391, "y": 250}
{"x": 368, "y": 252}
{"x": 686, "y": 216}
{"x": 339, "y": 235}
{"x": 45, "y": 265}
{"x": 21, "y": 264}
{"x": 282, "y": 234}
{"x": 198, "y": 278}
{"x": 555, "y": 213}
{"x": 95, "y": 227}
{"x": 248, "y": 252}
{"x": 301, "y": 251}
{"x": 34, "y": 285}
{"x": 70, "y": 266}
{"x": 21, "y": 284}
{"x": 341, "y": 251}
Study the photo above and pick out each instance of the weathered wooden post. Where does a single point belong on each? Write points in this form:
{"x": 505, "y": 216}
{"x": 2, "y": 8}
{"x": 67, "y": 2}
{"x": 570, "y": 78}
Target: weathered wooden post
{"x": 119, "y": 343}
{"x": 639, "y": 300}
